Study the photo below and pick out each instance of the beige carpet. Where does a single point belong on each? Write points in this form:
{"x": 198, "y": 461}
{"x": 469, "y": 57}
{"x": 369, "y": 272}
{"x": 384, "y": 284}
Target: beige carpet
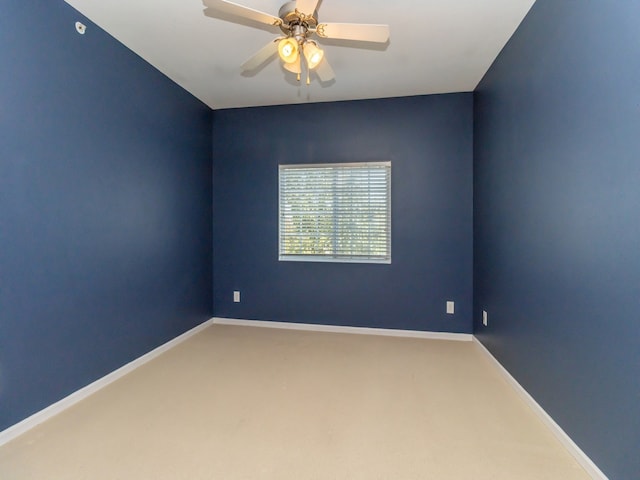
{"x": 256, "y": 403}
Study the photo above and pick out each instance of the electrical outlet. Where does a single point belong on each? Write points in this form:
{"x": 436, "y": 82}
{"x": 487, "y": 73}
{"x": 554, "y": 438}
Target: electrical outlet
{"x": 485, "y": 318}
{"x": 236, "y": 296}
{"x": 451, "y": 308}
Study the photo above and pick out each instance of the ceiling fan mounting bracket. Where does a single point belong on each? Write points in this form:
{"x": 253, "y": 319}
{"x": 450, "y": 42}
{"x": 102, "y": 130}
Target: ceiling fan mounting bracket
{"x": 293, "y": 18}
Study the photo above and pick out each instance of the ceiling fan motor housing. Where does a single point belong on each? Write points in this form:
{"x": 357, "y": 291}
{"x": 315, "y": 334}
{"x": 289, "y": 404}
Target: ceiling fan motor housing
{"x": 297, "y": 24}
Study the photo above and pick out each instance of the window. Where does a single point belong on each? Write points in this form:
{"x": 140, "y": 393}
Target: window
{"x": 338, "y": 212}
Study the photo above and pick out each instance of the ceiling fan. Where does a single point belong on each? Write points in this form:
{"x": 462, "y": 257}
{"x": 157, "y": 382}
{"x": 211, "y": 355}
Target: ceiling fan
{"x": 298, "y": 21}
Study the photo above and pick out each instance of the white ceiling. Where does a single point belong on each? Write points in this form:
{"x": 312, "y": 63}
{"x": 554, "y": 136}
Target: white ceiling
{"x": 436, "y": 46}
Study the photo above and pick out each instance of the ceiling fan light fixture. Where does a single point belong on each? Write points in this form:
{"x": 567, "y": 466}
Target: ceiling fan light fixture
{"x": 313, "y": 54}
{"x": 298, "y": 20}
{"x": 288, "y": 50}
{"x": 293, "y": 67}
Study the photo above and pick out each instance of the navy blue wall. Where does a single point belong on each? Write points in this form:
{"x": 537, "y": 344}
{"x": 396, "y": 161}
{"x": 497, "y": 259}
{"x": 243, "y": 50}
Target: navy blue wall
{"x": 429, "y": 142}
{"x": 557, "y": 220}
{"x": 105, "y": 207}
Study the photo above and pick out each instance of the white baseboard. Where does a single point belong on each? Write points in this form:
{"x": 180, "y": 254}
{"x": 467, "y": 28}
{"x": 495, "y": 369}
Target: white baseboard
{"x": 313, "y": 327}
{"x": 70, "y": 400}
{"x": 581, "y": 457}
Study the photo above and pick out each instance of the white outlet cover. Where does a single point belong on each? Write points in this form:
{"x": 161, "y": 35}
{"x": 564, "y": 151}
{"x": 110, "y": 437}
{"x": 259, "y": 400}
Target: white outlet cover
{"x": 485, "y": 318}
{"x": 236, "y": 296}
{"x": 451, "y": 308}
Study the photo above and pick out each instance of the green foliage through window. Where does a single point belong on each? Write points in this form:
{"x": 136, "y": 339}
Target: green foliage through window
{"x": 336, "y": 212}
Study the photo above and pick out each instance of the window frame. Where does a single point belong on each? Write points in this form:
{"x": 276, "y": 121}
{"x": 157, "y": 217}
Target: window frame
{"x": 333, "y": 257}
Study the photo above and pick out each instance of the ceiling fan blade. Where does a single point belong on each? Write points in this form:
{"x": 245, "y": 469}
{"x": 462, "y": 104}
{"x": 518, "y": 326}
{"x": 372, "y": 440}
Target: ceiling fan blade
{"x": 307, "y": 6}
{"x": 324, "y": 71}
{"x": 264, "y": 54}
{"x": 354, "y": 31}
{"x": 242, "y": 11}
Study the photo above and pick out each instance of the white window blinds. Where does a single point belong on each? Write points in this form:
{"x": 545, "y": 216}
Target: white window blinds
{"x": 339, "y": 212}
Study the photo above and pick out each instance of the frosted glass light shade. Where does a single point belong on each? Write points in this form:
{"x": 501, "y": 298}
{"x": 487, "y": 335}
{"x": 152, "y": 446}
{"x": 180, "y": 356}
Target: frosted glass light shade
{"x": 294, "y": 67}
{"x": 288, "y": 50}
{"x": 313, "y": 54}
